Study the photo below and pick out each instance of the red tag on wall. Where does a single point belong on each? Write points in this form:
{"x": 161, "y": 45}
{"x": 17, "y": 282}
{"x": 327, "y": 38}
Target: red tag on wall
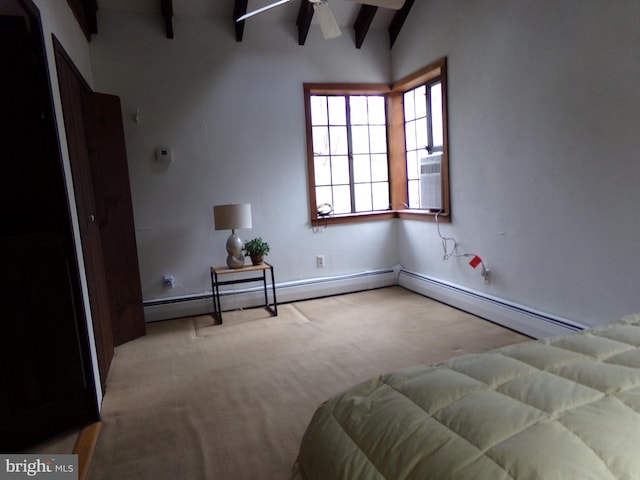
{"x": 475, "y": 261}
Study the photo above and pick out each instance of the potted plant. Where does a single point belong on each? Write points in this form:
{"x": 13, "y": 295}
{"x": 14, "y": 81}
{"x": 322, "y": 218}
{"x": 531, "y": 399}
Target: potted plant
{"x": 256, "y": 249}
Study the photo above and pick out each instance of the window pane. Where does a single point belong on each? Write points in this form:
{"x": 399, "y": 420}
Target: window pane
{"x": 413, "y": 167}
{"x": 421, "y": 101}
{"x": 414, "y": 193}
{"x": 322, "y": 170}
{"x": 409, "y": 106}
{"x": 436, "y": 114}
{"x": 323, "y": 195}
{"x": 410, "y": 135}
{"x": 360, "y": 139}
{"x": 380, "y": 193}
{"x": 338, "y": 140}
{"x": 378, "y": 139}
{"x": 379, "y": 168}
{"x": 422, "y": 136}
{"x": 337, "y": 111}
{"x": 320, "y": 140}
{"x": 361, "y": 168}
{"x": 340, "y": 170}
{"x": 342, "y": 199}
{"x": 319, "y": 110}
{"x": 362, "y": 192}
{"x": 377, "y": 111}
{"x": 358, "y": 105}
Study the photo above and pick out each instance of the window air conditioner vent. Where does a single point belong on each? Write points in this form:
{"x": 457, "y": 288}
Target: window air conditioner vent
{"x": 427, "y": 168}
{"x": 431, "y": 182}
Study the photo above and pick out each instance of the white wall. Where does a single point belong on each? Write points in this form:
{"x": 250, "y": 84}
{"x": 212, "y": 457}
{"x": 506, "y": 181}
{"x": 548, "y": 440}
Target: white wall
{"x": 544, "y": 114}
{"x": 543, "y": 98}
{"x": 233, "y": 115}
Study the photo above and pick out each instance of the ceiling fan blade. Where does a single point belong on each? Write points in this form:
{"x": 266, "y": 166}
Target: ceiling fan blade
{"x": 392, "y": 4}
{"x": 326, "y": 19}
{"x": 262, "y": 9}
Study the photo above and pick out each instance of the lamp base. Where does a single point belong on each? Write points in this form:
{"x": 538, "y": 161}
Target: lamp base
{"x": 235, "y": 259}
{"x": 235, "y": 262}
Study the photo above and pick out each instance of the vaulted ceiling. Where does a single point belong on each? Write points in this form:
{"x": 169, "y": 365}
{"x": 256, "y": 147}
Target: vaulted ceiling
{"x": 359, "y": 17}
{"x": 361, "y": 25}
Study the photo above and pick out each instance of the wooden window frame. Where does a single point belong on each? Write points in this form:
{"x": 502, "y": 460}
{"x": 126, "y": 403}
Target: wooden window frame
{"x": 398, "y": 190}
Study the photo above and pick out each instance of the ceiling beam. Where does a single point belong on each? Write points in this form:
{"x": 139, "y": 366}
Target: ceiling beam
{"x": 398, "y": 21}
{"x": 91, "y": 8}
{"x": 305, "y": 15}
{"x": 167, "y": 13}
{"x": 361, "y": 26}
{"x": 85, "y": 13}
{"x": 363, "y": 22}
{"x": 239, "y": 9}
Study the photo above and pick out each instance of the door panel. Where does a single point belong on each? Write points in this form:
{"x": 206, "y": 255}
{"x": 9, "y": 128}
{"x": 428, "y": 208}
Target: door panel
{"x": 40, "y": 343}
{"x": 110, "y": 173}
{"x": 71, "y": 87}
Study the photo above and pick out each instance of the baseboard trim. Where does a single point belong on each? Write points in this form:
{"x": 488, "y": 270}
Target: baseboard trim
{"x": 508, "y": 314}
{"x": 238, "y": 298}
{"x": 517, "y": 317}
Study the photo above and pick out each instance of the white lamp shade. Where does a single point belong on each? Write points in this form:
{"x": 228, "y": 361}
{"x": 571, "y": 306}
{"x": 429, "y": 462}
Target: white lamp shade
{"x": 231, "y": 217}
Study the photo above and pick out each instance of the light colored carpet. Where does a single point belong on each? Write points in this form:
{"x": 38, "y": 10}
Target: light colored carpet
{"x": 195, "y": 401}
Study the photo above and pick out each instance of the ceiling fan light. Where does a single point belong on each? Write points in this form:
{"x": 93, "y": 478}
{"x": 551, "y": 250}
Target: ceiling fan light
{"x": 327, "y": 21}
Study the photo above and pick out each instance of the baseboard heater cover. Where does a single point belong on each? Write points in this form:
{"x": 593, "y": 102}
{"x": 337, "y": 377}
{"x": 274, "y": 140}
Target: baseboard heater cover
{"x": 508, "y": 314}
{"x": 511, "y": 315}
{"x": 237, "y": 298}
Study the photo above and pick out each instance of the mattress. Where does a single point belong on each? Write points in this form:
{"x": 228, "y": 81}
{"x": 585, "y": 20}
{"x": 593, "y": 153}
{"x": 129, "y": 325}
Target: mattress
{"x": 562, "y": 408}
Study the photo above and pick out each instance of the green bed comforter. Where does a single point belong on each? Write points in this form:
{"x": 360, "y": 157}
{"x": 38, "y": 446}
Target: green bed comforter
{"x": 564, "y": 408}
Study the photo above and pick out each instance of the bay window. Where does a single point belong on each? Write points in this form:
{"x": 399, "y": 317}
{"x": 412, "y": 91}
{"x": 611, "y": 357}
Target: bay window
{"x": 378, "y": 151}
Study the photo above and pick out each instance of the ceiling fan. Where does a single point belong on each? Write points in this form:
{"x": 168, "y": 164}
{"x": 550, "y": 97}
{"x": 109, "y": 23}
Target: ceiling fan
{"x": 326, "y": 19}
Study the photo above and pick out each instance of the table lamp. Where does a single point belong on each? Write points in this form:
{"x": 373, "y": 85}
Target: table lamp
{"x": 232, "y": 217}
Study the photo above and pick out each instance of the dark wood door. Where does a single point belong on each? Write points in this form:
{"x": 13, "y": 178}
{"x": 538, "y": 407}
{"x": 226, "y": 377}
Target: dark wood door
{"x": 71, "y": 88}
{"x": 110, "y": 173}
{"x": 46, "y": 378}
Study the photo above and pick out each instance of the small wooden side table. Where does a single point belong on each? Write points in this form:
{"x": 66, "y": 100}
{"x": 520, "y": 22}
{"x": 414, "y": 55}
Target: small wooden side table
{"x": 217, "y": 272}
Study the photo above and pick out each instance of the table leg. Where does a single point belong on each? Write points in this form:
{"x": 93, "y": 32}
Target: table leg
{"x": 217, "y": 309}
{"x": 273, "y": 287}
{"x": 264, "y": 285}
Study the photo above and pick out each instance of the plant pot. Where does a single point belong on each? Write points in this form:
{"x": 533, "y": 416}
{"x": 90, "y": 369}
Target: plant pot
{"x": 257, "y": 259}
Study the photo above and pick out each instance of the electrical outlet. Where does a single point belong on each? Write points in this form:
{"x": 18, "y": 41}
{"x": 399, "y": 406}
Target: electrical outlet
{"x": 168, "y": 281}
{"x": 320, "y": 261}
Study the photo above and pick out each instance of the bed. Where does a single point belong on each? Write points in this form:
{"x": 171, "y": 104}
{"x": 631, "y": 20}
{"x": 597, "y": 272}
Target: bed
{"x": 562, "y": 408}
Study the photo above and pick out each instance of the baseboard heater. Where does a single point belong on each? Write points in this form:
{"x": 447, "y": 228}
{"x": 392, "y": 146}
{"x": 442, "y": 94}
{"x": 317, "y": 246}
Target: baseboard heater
{"x": 511, "y": 315}
{"x": 237, "y": 298}
{"x": 508, "y": 314}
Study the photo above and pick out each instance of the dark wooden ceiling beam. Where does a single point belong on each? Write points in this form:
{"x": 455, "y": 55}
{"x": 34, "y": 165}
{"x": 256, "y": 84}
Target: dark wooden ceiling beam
{"x": 361, "y": 26}
{"x": 305, "y": 15}
{"x": 167, "y": 13}
{"x": 239, "y": 9}
{"x": 363, "y": 22}
{"x": 91, "y": 8}
{"x": 398, "y": 21}
{"x": 85, "y": 13}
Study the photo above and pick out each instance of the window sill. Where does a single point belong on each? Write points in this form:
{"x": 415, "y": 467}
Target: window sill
{"x": 423, "y": 215}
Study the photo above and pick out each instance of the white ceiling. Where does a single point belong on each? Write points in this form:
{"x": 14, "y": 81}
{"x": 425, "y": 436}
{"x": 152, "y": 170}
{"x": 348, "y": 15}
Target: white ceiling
{"x": 344, "y": 11}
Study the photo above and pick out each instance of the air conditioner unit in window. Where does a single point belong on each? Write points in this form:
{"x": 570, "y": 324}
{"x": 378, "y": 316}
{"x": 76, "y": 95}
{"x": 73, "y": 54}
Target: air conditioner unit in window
{"x": 431, "y": 182}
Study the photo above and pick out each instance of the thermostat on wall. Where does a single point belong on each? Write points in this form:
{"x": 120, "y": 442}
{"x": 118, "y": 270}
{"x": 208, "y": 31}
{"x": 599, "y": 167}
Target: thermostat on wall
{"x": 164, "y": 155}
